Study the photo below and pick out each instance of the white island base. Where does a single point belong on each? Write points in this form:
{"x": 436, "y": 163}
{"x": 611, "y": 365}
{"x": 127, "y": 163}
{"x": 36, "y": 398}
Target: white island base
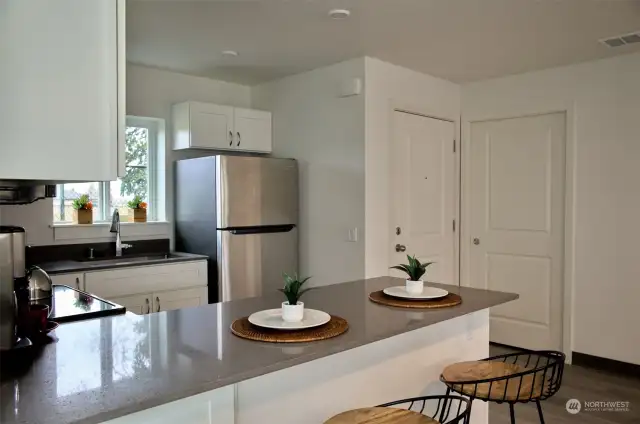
{"x": 397, "y": 367}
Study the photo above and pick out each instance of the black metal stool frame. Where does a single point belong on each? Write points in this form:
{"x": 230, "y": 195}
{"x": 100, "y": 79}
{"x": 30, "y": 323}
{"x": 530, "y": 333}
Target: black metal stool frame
{"x": 443, "y": 409}
{"x": 553, "y": 366}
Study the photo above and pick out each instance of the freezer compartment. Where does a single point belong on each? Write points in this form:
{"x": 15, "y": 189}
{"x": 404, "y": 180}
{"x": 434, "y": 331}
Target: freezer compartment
{"x": 251, "y": 261}
{"x": 253, "y": 191}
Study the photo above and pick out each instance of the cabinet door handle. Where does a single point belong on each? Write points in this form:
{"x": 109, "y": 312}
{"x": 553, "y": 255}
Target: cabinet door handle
{"x": 158, "y": 301}
{"x": 148, "y": 305}
{"x": 239, "y": 139}
{"x": 230, "y": 138}
{"x": 78, "y": 283}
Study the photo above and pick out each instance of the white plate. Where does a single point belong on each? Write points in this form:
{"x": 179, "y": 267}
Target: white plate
{"x": 272, "y": 318}
{"x": 427, "y": 293}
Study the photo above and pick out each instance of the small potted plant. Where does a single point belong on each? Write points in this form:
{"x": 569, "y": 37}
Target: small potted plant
{"x": 82, "y": 210}
{"x": 414, "y": 270}
{"x": 293, "y": 309}
{"x": 137, "y": 210}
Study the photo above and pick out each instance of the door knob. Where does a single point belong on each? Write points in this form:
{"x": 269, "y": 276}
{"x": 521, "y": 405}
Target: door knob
{"x": 400, "y": 247}
{"x": 476, "y": 241}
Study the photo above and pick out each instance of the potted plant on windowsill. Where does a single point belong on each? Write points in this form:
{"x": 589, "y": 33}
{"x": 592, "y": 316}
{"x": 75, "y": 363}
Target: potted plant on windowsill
{"x": 293, "y": 309}
{"x": 82, "y": 210}
{"x": 414, "y": 270}
{"x": 137, "y": 210}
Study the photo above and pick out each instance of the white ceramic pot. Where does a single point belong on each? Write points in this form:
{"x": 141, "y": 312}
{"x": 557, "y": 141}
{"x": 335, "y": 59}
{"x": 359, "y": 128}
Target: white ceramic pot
{"x": 292, "y": 313}
{"x": 414, "y": 287}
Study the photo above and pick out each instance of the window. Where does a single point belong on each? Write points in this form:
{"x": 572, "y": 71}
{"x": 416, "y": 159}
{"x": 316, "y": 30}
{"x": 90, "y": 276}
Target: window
{"x": 141, "y": 178}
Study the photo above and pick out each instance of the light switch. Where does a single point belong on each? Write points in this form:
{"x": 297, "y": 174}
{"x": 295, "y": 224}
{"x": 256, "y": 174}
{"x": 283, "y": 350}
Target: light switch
{"x": 353, "y": 235}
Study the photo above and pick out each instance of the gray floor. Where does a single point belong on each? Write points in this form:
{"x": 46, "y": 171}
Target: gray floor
{"x": 582, "y": 384}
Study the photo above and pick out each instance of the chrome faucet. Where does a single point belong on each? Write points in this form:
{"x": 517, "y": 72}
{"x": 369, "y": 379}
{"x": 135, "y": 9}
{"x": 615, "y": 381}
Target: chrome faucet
{"x": 115, "y": 228}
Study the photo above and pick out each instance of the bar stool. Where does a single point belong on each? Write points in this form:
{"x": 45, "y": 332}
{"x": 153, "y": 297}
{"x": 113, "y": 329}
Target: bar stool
{"x": 512, "y": 378}
{"x": 419, "y": 410}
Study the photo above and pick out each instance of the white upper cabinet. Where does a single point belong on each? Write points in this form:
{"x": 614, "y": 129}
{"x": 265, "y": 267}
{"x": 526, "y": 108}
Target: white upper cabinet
{"x": 253, "y": 130}
{"x": 207, "y": 126}
{"x": 62, "y": 103}
{"x": 202, "y": 126}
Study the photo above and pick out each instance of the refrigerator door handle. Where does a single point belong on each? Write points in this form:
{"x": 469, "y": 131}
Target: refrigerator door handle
{"x": 262, "y": 230}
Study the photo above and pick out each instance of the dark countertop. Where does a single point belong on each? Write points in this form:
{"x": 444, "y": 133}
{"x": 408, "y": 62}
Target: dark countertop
{"x": 69, "y": 266}
{"x": 105, "y": 368}
{"x": 68, "y": 304}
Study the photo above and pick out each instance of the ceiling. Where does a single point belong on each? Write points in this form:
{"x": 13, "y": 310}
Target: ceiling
{"x": 459, "y": 40}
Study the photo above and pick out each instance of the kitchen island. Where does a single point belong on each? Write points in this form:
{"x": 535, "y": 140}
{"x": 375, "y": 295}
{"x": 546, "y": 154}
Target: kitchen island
{"x": 186, "y": 367}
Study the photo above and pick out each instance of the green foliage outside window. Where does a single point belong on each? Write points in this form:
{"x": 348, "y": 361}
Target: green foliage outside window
{"x": 135, "y": 182}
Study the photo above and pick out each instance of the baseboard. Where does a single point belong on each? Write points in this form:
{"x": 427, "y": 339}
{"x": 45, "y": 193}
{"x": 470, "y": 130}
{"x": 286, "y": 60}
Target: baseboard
{"x": 605, "y": 364}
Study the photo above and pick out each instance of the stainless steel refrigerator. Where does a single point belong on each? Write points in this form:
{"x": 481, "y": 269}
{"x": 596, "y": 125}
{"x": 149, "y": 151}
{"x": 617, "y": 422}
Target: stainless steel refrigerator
{"x": 242, "y": 212}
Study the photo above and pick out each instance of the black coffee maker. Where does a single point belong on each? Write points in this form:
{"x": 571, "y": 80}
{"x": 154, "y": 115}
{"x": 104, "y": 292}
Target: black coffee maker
{"x": 13, "y": 285}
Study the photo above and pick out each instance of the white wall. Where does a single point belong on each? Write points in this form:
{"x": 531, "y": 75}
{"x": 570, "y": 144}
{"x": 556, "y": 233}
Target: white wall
{"x": 602, "y": 100}
{"x": 325, "y": 133}
{"x": 389, "y": 86}
{"x": 150, "y": 93}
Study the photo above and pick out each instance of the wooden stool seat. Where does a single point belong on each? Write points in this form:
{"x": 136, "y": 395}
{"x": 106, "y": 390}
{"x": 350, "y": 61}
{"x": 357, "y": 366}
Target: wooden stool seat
{"x": 379, "y": 415}
{"x": 508, "y": 389}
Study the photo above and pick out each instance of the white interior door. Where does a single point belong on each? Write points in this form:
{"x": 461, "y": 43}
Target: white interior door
{"x": 516, "y": 241}
{"x": 423, "y": 194}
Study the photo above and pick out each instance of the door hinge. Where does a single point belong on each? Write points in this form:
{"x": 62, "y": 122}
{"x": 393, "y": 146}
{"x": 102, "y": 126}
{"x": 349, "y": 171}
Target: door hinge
{"x": 454, "y": 225}
{"x": 454, "y": 146}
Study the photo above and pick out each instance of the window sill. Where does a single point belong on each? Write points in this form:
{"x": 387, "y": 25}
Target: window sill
{"x": 100, "y": 230}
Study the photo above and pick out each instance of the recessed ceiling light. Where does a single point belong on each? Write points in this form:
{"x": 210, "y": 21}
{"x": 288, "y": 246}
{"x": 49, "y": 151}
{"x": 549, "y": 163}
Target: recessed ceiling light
{"x": 339, "y": 14}
{"x": 230, "y": 53}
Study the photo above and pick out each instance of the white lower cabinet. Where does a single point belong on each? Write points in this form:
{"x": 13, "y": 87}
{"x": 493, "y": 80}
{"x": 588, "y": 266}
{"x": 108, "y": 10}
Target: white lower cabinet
{"x": 152, "y": 288}
{"x": 75, "y": 281}
{"x": 139, "y": 304}
{"x": 178, "y": 299}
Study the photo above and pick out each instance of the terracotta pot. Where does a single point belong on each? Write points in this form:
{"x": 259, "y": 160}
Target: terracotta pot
{"x": 137, "y": 215}
{"x": 83, "y": 216}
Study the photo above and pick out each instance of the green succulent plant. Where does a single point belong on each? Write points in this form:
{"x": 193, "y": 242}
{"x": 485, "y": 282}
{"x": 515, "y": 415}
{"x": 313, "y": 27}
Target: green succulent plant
{"x": 135, "y": 202}
{"x": 81, "y": 202}
{"x": 414, "y": 269}
{"x": 293, "y": 288}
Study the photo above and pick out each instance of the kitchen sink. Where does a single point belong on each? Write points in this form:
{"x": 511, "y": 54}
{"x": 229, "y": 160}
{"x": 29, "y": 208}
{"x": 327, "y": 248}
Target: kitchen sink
{"x": 129, "y": 259}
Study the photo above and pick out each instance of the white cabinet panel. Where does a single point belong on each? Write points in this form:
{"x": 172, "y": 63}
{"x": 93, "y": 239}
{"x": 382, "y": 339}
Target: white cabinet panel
{"x": 138, "y": 304}
{"x": 146, "y": 279}
{"x": 214, "y": 407}
{"x": 252, "y": 130}
{"x": 211, "y": 126}
{"x": 203, "y": 126}
{"x": 199, "y": 125}
{"x": 178, "y": 299}
{"x": 59, "y": 84}
{"x": 75, "y": 281}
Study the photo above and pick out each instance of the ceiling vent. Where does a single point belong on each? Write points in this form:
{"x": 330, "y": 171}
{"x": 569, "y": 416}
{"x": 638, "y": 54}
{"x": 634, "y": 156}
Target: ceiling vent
{"x": 622, "y": 40}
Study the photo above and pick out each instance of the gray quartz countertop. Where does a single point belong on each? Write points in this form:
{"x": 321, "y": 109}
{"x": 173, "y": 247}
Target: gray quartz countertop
{"x": 68, "y": 266}
{"x": 110, "y": 367}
